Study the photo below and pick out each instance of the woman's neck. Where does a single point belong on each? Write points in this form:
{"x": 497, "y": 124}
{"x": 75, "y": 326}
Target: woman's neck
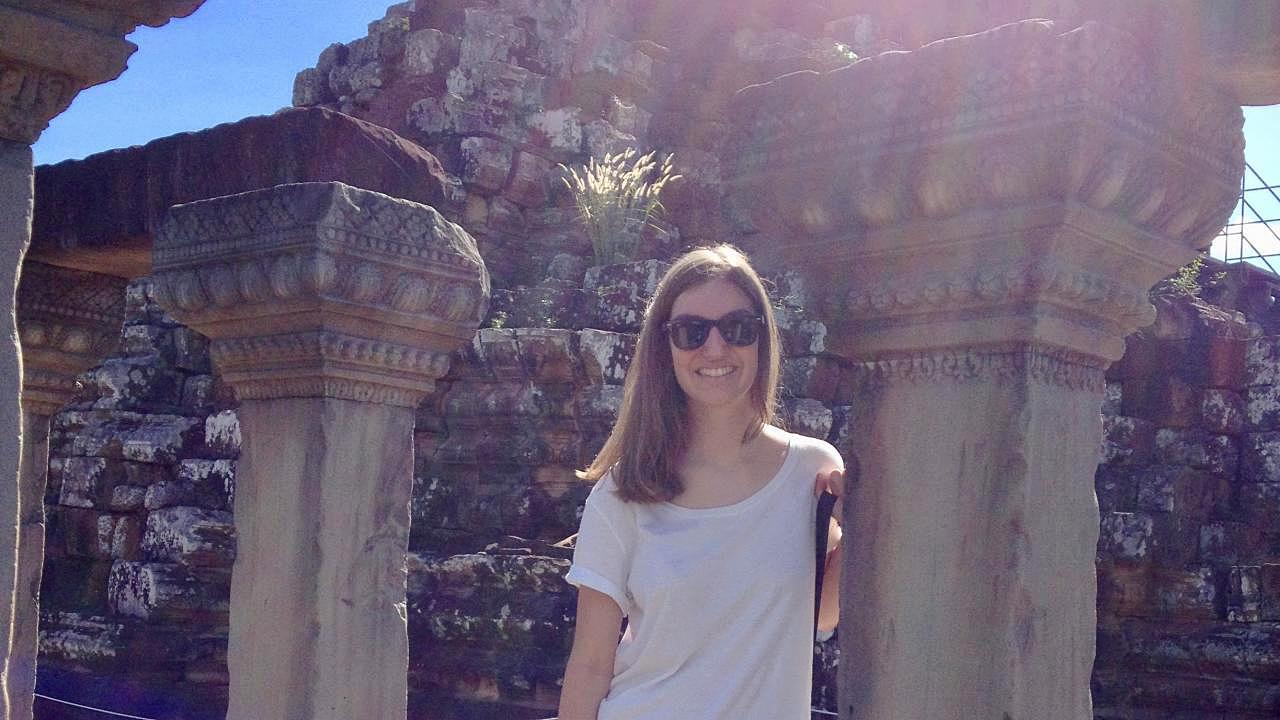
{"x": 718, "y": 432}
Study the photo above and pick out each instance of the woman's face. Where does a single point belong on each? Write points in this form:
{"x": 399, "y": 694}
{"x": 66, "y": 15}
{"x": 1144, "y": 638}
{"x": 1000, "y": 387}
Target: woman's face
{"x": 717, "y": 374}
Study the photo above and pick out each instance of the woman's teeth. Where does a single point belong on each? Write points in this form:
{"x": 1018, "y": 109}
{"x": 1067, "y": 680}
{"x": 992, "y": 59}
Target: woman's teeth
{"x": 715, "y": 372}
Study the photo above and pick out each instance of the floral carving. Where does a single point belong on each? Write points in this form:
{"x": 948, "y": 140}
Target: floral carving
{"x": 67, "y": 321}
{"x": 29, "y": 98}
{"x": 1050, "y": 366}
{"x": 321, "y": 289}
{"x": 992, "y": 120}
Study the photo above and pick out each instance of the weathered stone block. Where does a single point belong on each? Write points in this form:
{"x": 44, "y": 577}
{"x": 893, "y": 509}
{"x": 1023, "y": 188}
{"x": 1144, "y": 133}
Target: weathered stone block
{"x": 606, "y": 355}
{"x": 1260, "y": 505}
{"x": 155, "y": 438}
{"x": 599, "y": 402}
{"x": 84, "y": 640}
{"x": 629, "y": 118}
{"x": 191, "y": 350}
{"x": 1127, "y": 440}
{"x": 311, "y": 87}
{"x": 1165, "y": 398}
{"x": 1262, "y": 361}
{"x": 1125, "y": 536}
{"x": 488, "y": 35}
{"x": 80, "y": 479}
{"x": 1260, "y": 457}
{"x": 1123, "y": 589}
{"x": 429, "y": 51}
{"x": 549, "y": 355}
{"x": 486, "y": 163}
{"x": 212, "y": 482}
{"x": 559, "y": 129}
{"x": 167, "y": 494}
{"x": 800, "y": 335}
{"x": 1189, "y": 493}
{"x": 205, "y": 392}
{"x": 529, "y": 178}
{"x": 602, "y": 139}
{"x": 1262, "y": 408}
{"x": 126, "y": 498}
{"x": 161, "y": 590}
{"x": 1269, "y": 593}
{"x": 222, "y": 434}
{"x": 621, "y": 293}
{"x": 191, "y": 536}
{"x": 130, "y": 383}
{"x": 1243, "y": 593}
{"x": 808, "y": 417}
{"x": 548, "y": 305}
{"x": 1112, "y": 396}
{"x": 1222, "y": 411}
{"x": 811, "y": 377}
{"x": 1229, "y": 541}
{"x": 1186, "y": 594}
{"x": 97, "y": 535}
{"x": 1217, "y": 454}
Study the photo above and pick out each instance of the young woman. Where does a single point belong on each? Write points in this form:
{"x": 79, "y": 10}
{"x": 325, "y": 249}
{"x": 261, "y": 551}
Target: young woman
{"x": 699, "y": 529}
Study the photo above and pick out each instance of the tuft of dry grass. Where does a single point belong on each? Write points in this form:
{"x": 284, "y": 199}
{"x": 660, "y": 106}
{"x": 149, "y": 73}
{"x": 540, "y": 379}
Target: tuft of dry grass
{"x": 616, "y": 197}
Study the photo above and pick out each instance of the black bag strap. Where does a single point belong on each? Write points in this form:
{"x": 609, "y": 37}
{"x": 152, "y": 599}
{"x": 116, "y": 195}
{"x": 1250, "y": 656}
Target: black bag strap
{"x": 825, "y": 504}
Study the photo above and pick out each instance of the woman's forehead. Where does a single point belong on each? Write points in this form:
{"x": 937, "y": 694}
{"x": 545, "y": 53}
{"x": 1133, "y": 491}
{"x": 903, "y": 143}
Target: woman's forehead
{"x": 711, "y": 299}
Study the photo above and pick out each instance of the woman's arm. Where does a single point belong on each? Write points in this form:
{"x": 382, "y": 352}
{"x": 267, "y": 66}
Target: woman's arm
{"x": 829, "y": 607}
{"x": 590, "y": 668}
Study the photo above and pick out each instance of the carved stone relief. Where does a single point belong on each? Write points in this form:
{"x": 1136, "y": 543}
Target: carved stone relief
{"x": 322, "y": 290}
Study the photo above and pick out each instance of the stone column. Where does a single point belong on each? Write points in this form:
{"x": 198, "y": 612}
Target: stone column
{"x": 982, "y": 219}
{"x": 48, "y": 53}
{"x": 331, "y": 311}
{"x": 68, "y": 320}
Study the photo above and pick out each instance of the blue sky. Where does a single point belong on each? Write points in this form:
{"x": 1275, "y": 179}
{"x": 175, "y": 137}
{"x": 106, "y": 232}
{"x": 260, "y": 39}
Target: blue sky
{"x": 236, "y": 58}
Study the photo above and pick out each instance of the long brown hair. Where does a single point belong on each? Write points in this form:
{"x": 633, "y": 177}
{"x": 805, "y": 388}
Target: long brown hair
{"x": 648, "y": 440}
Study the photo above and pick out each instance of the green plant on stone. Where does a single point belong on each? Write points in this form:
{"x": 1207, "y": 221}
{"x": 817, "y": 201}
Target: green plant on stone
{"x": 1185, "y": 283}
{"x": 616, "y": 198}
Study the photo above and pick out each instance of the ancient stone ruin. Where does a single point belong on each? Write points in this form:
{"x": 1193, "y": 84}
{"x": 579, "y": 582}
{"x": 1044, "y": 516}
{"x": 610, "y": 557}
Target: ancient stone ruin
{"x": 277, "y": 357}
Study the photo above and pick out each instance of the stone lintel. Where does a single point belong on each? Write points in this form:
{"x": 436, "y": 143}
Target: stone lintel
{"x": 322, "y": 290}
{"x": 68, "y": 320}
{"x": 1234, "y": 44}
{"x": 1020, "y": 185}
{"x": 101, "y": 213}
{"x": 51, "y": 51}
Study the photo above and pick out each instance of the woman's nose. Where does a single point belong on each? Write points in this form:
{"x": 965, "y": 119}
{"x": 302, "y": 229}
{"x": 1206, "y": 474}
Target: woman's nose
{"x": 715, "y": 343}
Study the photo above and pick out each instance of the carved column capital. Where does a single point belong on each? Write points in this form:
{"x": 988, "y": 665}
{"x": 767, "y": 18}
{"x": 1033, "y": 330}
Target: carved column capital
{"x": 52, "y": 51}
{"x": 1020, "y": 185}
{"x": 322, "y": 290}
{"x": 68, "y": 320}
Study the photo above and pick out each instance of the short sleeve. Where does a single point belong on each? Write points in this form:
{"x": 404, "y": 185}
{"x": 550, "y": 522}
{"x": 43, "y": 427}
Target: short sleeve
{"x": 601, "y": 557}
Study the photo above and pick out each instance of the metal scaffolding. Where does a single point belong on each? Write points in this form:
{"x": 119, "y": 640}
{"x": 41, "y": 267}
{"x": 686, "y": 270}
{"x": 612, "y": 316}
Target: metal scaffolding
{"x": 1253, "y": 233}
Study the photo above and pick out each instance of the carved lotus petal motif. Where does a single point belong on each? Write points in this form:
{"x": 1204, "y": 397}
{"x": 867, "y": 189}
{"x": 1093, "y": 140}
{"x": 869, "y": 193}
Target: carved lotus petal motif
{"x": 317, "y": 272}
{"x": 286, "y": 282}
{"x": 411, "y": 294}
{"x": 365, "y": 283}
{"x": 33, "y": 335}
{"x": 187, "y": 291}
{"x": 1145, "y": 209}
{"x": 77, "y": 340}
{"x": 1111, "y": 177}
{"x": 875, "y": 206}
{"x": 464, "y": 303}
{"x": 222, "y": 285}
{"x": 253, "y": 282}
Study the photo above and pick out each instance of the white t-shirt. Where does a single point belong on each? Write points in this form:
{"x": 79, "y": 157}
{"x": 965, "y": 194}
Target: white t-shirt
{"x": 719, "y": 600}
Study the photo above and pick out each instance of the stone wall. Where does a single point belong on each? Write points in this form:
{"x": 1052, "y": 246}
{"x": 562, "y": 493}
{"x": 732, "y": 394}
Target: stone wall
{"x": 1189, "y": 490}
{"x": 140, "y": 545}
{"x": 140, "y": 536}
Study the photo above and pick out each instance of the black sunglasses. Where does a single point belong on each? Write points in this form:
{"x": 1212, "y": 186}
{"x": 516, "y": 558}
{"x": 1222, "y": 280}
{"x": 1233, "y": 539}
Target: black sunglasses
{"x": 739, "y": 328}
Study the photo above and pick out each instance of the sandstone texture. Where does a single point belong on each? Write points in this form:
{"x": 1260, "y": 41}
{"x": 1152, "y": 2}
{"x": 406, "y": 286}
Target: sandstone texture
{"x": 143, "y": 466}
{"x": 101, "y": 213}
